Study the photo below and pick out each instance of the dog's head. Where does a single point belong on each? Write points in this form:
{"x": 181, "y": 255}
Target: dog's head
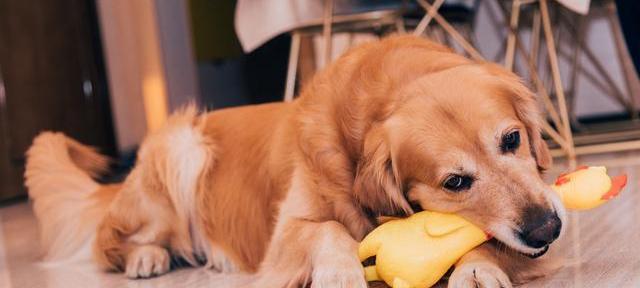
{"x": 464, "y": 140}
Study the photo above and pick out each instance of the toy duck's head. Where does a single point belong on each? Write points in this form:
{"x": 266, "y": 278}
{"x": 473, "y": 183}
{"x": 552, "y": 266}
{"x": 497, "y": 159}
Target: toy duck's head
{"x": 588, "y": 187}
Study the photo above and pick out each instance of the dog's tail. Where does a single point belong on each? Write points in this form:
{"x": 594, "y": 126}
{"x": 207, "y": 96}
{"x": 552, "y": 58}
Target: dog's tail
{"x": 68, "y": 203}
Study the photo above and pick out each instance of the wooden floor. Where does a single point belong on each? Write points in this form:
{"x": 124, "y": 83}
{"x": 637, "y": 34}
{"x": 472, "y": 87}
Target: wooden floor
{"x": 600, "y": 248}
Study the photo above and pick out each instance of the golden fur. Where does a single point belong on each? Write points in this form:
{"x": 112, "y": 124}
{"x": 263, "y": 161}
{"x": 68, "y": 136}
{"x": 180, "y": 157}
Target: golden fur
{"x": 286, "y": 190}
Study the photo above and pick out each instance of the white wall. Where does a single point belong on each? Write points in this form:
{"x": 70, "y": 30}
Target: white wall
{"x": 177, "y": 52}
{"x": 150, "y": 65}
{"x": 117, "y": 21}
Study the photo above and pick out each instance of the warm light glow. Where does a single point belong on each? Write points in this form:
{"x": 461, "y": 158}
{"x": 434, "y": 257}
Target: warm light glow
{"x": 155, "y": 101}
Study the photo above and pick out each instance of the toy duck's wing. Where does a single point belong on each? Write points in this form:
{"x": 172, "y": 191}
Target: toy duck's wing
{"x": 440, "y": 224}
{"x": 371, "y": 243}
{"x": 617, "y": 183}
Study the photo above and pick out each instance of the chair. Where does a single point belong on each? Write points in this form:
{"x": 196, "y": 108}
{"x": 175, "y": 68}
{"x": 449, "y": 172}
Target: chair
{"x": 380, "y": 17}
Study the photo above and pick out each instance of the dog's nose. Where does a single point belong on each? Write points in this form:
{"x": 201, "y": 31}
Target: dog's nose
{"x": 541, "y": 227}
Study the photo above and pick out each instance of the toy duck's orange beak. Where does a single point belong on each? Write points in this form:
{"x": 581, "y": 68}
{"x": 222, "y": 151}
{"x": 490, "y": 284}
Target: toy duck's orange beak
{"x": 617, "y": 183}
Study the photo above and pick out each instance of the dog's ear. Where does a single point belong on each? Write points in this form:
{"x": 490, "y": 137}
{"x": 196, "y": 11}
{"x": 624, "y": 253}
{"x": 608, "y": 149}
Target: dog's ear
{"x": 526, "y": 107}
{"x": 528, "y": 112}
{"x": 376, "y": 184}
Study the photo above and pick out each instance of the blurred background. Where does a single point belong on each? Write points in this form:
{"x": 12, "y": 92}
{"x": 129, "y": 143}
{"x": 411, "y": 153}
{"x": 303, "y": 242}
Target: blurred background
{"x": 106, "y": 72}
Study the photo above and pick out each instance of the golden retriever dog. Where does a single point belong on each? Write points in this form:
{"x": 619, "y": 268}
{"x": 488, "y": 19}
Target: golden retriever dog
{"x": 285, "y": 191}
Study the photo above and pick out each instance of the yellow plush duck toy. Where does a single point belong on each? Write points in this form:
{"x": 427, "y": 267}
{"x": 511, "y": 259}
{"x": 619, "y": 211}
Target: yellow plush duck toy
{"x": 417, "y": 251}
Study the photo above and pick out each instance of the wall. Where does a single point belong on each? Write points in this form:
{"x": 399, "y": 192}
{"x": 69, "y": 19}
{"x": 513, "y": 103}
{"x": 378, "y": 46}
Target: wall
{"x": 142, "y": 39}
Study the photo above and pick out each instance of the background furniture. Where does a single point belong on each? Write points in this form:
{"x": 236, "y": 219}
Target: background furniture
{"x": 52, "y": 78}
{"x": 565, "y": 38}
{"x": 536, "y": 60}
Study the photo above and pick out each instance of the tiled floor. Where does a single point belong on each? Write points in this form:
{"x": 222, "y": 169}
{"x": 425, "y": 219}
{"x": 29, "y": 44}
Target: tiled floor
{"x": 601, "y": 248}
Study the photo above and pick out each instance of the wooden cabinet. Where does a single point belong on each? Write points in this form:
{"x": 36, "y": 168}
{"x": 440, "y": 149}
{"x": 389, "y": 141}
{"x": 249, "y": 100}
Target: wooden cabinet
{"x": 53, "y": 74}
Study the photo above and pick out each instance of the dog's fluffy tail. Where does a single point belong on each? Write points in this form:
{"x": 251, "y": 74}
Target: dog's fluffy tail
{"x": 67, "y": 201}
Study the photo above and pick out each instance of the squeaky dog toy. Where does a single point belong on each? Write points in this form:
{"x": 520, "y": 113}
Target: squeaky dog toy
{"x": 415, "y": 252}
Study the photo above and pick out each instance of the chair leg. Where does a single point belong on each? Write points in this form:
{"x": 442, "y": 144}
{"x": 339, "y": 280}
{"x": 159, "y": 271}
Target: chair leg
{"x": 576, "y": 67}
{"x": 451, "y": 31}
{"x": 327, "y": 21}
{"x": 511, "y": 39}
{"x": 307, "y": 62}
{"x": 535, "y": 37}
{"x": 400, "y": 25}
{"x": 469, "y": 34}
{"x": 292, "y": 69}
{"x": 557, "y": 80}
{"x": 424, "y": 22}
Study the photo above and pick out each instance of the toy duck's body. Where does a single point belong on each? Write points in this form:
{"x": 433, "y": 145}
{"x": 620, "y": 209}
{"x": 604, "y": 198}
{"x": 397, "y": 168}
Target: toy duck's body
{"x": 416, "y": 251}
{"x": 446, "y": 237}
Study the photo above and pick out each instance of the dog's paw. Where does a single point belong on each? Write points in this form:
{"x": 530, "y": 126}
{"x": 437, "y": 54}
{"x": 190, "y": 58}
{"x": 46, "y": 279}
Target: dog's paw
{"x": 346, "y": 273}
{"x": 479, "y": 274}
{"x": 146, "y": 261}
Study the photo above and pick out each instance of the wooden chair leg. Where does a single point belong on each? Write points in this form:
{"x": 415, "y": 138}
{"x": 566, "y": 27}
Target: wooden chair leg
{"x": 307, "y": 62}
{"x": 576, "y": 67}
{"x": 292, "y": 68}
{"x": 400, "y": 28}
{"x": 327, "y": 21}
{"x": 451, "y": 31}
{"x": 532, "y": 67}
{"x": 424, "y": 22}
{"x": 535, "y": 37}
{"x": 511, "y": 38}
{"x": 557, "y": 80}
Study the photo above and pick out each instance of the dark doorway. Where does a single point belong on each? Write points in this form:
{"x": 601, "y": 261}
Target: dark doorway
{"x": 52, "y": 77}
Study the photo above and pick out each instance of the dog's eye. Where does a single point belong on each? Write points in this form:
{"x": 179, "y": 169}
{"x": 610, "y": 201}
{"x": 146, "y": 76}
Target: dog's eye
{"x": 457, "y": 183}
{"x": 510, "y": 142}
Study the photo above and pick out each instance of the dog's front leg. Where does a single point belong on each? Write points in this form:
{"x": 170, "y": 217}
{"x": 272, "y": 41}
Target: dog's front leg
{"x": 320, "y": 252}
{"x": 334, "y": 259}
{"x": 479, "y": 268}
{"x": 490, "y": 265}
